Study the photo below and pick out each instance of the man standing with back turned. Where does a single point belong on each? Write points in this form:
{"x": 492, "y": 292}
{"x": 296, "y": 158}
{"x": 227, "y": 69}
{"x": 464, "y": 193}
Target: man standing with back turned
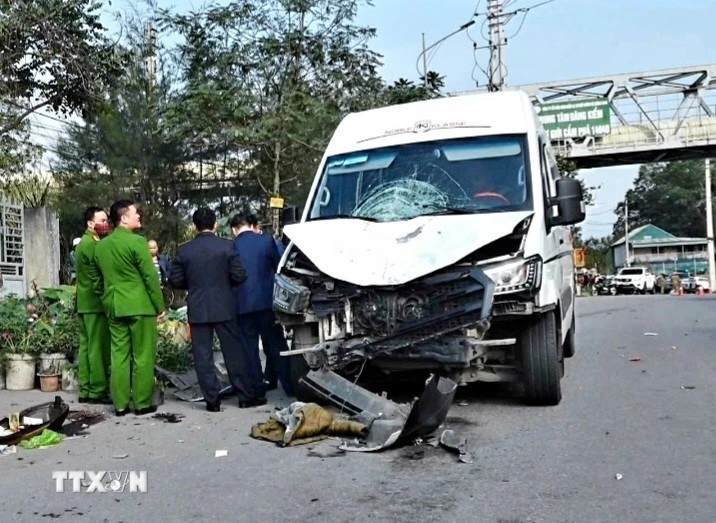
{"x": 208, "y": 268}
{"x": 94, "y": 352}
{"x": 133, "y": 301}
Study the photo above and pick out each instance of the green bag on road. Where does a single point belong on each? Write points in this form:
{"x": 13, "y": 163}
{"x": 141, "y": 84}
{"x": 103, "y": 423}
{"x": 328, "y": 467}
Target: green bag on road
{"x": 48, "y": 438}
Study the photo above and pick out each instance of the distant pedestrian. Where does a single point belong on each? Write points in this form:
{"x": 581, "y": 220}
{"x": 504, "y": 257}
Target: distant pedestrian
{"x": 161, "y": 262}
{"x": 209, "y": 268}
{"x": 260, "y": 258}
{"x": 133, "y": 301}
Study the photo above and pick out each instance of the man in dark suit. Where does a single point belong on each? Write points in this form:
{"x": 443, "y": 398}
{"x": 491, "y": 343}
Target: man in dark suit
{"x": 209, "y": 268}
{"x": 260, "y": 257}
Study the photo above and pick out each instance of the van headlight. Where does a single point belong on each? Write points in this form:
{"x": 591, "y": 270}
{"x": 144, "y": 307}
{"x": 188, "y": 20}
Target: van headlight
{"x": 290, "y": 296}
{"x": 515, "y": 275}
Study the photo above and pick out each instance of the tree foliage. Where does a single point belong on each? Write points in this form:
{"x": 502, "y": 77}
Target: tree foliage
{"x": 668, "y": 195}
{"x": 53, "y": 53}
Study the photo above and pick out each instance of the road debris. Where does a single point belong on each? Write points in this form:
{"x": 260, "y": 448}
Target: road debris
{"x": 636, "y": 359}
{"x": 302, "y": 423}
{"x": 619, "y": 477}
{"x": 6, "y": 450}
{"x": 450, "y": 440}
{"x": 463, "y": 403}
{"x": 221, "y": 453}
{"x": 674, "y": 348}
{"x": 650, "y": 334}
{"x": 330, "y": 452}
{"x": 48, "y": 438}
{"x": 169, "y": 417}
{"x": 120, "y": 456}
{"x": 688, "y": 387}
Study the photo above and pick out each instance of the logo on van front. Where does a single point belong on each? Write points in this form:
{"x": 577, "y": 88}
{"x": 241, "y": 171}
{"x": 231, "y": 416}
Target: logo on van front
{"x": 423, "y": 126}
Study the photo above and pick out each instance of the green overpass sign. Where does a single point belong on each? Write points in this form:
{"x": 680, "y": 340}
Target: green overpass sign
{"x": 576, "y": 119}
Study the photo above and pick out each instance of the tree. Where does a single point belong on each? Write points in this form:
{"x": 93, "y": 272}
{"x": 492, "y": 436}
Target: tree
{"x": 405, "y": 91}
{"x": 126, "y": 149}
{"x": 668, "y": 195}
{"x": 54, "y": 54}
{"x": 274, "y": 78}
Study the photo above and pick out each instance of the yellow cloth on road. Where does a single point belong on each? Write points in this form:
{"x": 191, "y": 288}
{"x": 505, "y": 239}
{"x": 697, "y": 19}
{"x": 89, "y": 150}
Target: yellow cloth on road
{"x": 303, "y": 423}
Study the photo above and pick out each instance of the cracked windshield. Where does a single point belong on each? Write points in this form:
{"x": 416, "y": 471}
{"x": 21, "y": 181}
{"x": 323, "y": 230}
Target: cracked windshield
{"x": 443, "y": 177}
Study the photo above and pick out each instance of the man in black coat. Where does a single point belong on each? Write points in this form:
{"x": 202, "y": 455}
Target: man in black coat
{"x": 208, "y": 267}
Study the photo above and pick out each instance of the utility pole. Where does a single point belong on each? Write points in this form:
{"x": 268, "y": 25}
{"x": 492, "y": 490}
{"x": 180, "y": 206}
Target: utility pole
{"x": 710, "y": 228}
{"x": 425, "y": 65}
{"x": 151, "y": 58}
{"x": 626, "y": 231}
{"x": 495, "y": 19}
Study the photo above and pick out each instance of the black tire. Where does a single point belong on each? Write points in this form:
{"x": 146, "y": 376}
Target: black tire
{"x": 568, "y": 348}
{"x": 299, "y": 368}
{"x": 540, "y": 352}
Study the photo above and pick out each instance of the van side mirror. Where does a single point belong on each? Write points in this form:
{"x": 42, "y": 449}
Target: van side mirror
{"x": 569, "y": 202}
{"x": 289, "y": 215}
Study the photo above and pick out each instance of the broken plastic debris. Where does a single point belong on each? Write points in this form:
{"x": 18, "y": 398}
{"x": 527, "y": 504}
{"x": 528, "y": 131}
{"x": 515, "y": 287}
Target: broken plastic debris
{"x": 120, "y": 456}
{"x": 650, "y": 334}
{"x": 451, "y": 441}
{"x": 688, "y": 387}
{"x": 674, "y": 348}
{"x": 7, "y": 449}
{"x": 221, "y": 453}
{"x": 619, "y": 477}
{"x": 637, "y": 358}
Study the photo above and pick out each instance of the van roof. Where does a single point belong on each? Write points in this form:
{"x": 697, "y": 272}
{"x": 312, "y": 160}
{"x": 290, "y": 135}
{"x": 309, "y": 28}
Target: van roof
{"x": 480, "y": 114}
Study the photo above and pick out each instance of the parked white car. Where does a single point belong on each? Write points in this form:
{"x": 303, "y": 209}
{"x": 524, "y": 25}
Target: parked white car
{"x": 635, "y": 279}
{"x": 702, "y": 282}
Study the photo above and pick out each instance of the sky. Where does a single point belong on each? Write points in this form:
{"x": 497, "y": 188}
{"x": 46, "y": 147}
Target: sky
{"x": 560, "y": 40}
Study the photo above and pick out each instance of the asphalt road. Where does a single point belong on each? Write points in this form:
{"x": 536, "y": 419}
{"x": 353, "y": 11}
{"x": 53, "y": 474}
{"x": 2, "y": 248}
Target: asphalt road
{"x": 530, "y": 463}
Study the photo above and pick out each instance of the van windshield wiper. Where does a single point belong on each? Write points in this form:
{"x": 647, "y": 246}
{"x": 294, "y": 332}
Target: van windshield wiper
{"x": 438, "y": 209}
{"x": 344, "y": 217}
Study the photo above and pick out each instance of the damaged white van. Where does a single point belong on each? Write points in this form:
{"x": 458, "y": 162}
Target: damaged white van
{"x": 434, "y": 239}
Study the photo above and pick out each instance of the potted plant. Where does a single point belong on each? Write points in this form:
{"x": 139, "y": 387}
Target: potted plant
{"x": 58, "y": 310}
{"x": 20, "y": 334}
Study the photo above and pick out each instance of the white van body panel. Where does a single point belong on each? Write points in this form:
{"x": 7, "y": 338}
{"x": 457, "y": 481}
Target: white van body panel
{"x": 393, "y": 253}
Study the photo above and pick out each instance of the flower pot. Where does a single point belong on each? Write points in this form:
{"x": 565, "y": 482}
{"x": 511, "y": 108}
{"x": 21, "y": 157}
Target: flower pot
{"x": 20, "y": 372}
{"x": 51, "y": 364}
{"x": 69, "y": 379}
{"x": 49, "y": 382}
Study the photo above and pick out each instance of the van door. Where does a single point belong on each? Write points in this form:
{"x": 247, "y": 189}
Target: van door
{"x": 559, "y": 253}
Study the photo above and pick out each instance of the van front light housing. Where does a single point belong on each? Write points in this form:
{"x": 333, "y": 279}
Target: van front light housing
{"x": 290, "y": 296}
{"x": 515, "y": 275}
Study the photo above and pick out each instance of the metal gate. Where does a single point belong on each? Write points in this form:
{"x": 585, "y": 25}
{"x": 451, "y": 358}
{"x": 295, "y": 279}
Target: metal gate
{"x": 12, "y": 249}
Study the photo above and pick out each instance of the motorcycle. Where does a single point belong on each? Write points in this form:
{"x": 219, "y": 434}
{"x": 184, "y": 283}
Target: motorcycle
{"x": 604, "y": 286}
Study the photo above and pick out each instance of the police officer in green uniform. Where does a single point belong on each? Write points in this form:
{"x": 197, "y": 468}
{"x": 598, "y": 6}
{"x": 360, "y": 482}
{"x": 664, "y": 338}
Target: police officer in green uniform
{"x": 94, "y": 331}
{"x": 133, "y": 301}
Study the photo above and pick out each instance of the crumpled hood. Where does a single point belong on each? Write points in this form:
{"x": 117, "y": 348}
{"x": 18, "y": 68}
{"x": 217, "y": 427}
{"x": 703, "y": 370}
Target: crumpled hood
{"x": 392, "y": 253}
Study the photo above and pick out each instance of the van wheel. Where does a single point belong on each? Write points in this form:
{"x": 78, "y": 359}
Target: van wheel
{"x": 299, "y": 369}
{"x": 541, "y": 354}
{"x": 568, "y": 348}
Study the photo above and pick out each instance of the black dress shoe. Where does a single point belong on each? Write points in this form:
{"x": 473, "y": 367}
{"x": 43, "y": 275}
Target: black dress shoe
{"x": 213, "y": 408}
{"x": 148, "y": 410}
{"x": 122, "y": 412}
{"x": 256, "y": 402}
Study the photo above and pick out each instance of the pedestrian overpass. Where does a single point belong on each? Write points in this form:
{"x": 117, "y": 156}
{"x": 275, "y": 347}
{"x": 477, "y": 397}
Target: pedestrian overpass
{"x": 652, "y": 116}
